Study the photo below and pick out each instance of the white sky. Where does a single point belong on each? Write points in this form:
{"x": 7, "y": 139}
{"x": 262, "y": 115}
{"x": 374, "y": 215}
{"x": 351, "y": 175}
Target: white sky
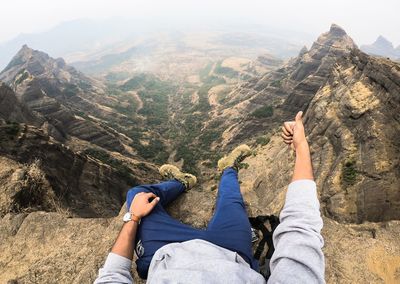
{"x": 364, "y": 20}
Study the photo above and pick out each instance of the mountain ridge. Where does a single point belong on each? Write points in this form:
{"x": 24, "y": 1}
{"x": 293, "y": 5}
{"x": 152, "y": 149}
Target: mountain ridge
{"x": 351, "y": 115}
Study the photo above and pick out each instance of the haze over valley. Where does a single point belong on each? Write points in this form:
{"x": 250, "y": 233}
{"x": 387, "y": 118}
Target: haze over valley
{"x": 92, "y": 107}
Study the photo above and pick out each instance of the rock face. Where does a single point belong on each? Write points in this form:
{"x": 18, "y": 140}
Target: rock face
{"x": 351, "y": 106}
{"x": 382, "y": 47}
{"x": 12, "y": 110}
{"x": 59, "y": 93}
{"x": 61, "y": 179}
{"x": 314, "y": 66}
{"x": 40, "y": 173}
{"x": 262, "y": 103}
{"x": 353, "y": 121}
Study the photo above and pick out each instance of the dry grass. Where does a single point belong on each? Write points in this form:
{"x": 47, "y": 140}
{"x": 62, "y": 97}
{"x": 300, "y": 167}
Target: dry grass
{"x": 36, "y": 193}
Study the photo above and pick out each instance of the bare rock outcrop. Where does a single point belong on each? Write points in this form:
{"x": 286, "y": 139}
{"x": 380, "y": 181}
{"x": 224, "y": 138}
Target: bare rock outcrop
{"x": 61, "y": 94}
{"x": 351, "y": 106}
{"x": 257, "y": 105}
{"x": 313, "y": 67}
{"x": 12, "y": 110}
{"x": 67, "y": 181}
{"x": 47, "y": 247}
{"x": 354, "y": 122}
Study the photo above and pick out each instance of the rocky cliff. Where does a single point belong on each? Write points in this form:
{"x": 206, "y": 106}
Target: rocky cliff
{"x": 40, "y": 173}
{"x": 262, "y": 103}
{"x": 12, "y": 110}
{"x": 61, "y": 95}
{"x": 351, "y": 106}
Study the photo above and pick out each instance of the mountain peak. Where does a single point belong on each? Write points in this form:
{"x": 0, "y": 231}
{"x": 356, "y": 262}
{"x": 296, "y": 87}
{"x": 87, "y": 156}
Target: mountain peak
{"x": 303, "y": 51}
{"x": 25, "y": 46}
{"x": 335, "y": 37}
{"x": 26, "y": 55}
{"x": 24, "y": 52}
{"x": 34, "y": 61}
{"x": 383, "y": 42}
{"x": 382, "y": 47}
{"x": 337, "y": 31}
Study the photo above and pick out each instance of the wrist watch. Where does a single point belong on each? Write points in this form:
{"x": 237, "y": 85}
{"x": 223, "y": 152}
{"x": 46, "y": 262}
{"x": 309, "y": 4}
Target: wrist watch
{"x": 129, "y": 216}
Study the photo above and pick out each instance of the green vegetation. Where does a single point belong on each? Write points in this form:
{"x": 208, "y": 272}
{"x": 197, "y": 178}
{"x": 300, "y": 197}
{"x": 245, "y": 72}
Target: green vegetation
{"x": 226, "y": 71}
{"x": 155, "y": 150}
{"x": 117, "y": 76}
{"x": 213, "y": 81}
{"x": 205, "y": 71}
{"x": 23, "y": 75}
{"x": 208, "y": 82}
{"x": 124, "y": 171}
{"x": 148, "y": 82}
{"x": 209, "y": 136}
{"x": 193, "y": 141}
{"x": 222, "y": 95}
{"x": 349, "y": 172}
{"x": 11, "y": 130}
{"x": 244, "y": 166}
{"x": 152, "y": 121}
{"x": 84, "y": 85}
{"x": 264, "y": 111}
{"x": 155, "y": 94}
{"x": 70, "y": 90}
{"x": 189, "y": 155}
{"x": 276, "y": 84}
{"x": 127, "y": 107}
{"x": 262, "y": 140}
{"x": 245, "y": 77}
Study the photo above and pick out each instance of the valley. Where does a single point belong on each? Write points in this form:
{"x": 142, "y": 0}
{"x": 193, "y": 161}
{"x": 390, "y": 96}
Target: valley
{"x": 75, "y": 137}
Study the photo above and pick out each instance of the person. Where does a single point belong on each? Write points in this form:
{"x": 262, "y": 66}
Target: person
{"x": 171, "y": 252}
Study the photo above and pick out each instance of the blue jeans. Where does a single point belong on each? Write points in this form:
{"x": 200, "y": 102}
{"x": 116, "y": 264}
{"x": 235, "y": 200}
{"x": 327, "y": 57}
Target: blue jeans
{"x": 229, "y": 227}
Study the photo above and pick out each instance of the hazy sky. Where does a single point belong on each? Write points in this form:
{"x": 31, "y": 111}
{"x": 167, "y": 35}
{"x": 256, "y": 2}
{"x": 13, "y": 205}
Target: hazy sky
{"x": 364, "y": 20}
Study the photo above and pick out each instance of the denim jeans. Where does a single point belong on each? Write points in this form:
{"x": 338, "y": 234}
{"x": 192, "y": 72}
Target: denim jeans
{"x": 229, "y": 227}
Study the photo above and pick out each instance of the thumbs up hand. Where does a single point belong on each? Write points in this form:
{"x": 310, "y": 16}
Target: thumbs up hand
{"x": 293, "y": 132}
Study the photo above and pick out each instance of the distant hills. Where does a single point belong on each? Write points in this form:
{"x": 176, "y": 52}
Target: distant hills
{"x": 72, "y": 145}
{"x": 83, "y": 40}
{"x": 382, "y": 47}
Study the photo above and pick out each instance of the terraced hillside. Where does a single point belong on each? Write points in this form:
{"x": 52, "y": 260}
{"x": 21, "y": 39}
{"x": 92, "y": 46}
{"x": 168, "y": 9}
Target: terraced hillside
{"x": 351, "y": 106}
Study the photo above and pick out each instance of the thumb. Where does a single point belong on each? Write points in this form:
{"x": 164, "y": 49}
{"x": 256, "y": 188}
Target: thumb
{"x": 154, "y": 202}
{"x": 298, "y": 118}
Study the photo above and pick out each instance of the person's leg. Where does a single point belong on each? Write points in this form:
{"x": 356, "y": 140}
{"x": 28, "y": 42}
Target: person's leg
{"x": 167, "y": 191}
{"x": 230, "y": 227}
{"x": 230, "y": 210}
{"x": 158, "y": 228}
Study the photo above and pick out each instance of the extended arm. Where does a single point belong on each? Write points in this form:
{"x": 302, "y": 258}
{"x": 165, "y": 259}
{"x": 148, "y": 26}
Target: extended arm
{"x": 298, "y": 256}
{"x": 117, "y": 267}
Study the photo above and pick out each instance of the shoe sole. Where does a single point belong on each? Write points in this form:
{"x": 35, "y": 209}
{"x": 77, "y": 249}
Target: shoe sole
{"x": 171, "y": 171}
{"x": 237, "y": 155}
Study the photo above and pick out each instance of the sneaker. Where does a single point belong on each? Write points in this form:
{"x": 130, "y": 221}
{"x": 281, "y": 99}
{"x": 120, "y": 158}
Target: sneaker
{"x": 234, "y": 158}
{"x": 172, "y": 172}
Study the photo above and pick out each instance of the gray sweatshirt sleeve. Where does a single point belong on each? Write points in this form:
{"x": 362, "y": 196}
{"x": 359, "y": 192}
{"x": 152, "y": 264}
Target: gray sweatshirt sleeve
{"x": 298, "y": 256}
{"x": 116, "y": 269}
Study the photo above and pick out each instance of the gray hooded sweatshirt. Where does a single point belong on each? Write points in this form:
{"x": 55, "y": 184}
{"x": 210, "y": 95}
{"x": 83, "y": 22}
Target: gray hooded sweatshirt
{"x": 298, "y": 256}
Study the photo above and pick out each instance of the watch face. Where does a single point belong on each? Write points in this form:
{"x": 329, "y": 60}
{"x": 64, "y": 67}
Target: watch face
{"x": 127, "y": 217}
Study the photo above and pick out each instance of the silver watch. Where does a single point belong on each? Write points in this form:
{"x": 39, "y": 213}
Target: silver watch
{"x": 130, "y": 217}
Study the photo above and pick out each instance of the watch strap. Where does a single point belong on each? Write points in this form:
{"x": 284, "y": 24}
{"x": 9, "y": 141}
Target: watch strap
{"x": 135, "y": 218}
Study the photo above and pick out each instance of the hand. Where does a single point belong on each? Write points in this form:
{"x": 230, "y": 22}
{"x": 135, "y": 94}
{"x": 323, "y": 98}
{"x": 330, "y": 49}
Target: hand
{"x": 293, "y": 132}
{"x": 141, "y": 206}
